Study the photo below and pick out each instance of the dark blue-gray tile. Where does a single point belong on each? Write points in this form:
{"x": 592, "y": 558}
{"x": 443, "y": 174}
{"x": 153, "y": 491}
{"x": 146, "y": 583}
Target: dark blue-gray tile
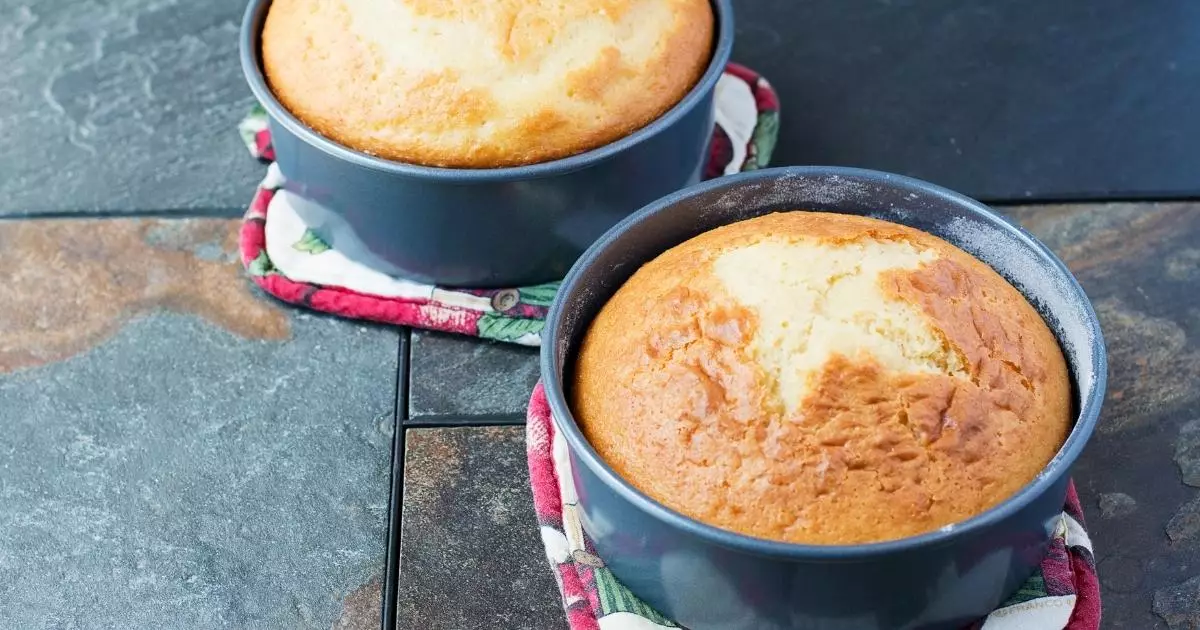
{"x": 471, "y": 556}
{"x": 176, "y": 450}
{"x": 462, "y": 376}
{"x": 993, "y": 99}
{"x": 129, "y": 105}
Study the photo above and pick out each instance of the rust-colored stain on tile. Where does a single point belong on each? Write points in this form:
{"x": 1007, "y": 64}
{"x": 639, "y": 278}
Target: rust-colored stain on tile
{"x": 430, "y": 457}
{"x": 361, "y": 608}
{"x": 1093, "y": 239}
{"x": 70, "y": 284}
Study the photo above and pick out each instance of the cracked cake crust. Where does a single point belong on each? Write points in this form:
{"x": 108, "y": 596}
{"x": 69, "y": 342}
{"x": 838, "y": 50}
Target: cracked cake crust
{"x": 483, "y": 84}
{"x": 822, "y": 378}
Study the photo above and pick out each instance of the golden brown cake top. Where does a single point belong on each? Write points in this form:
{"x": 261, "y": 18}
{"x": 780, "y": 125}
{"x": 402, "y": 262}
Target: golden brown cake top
{"x": 822, "y": 378}
{"x": 483, "y": 83}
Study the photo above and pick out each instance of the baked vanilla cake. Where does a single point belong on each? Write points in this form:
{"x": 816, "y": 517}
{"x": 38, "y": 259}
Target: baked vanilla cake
{"x": 822, "y": 378}
{"x": 483, "y": 83}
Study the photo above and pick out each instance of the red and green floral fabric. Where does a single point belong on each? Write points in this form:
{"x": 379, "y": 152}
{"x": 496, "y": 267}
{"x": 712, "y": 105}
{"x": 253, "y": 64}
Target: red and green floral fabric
{"x": 290, "y": 262}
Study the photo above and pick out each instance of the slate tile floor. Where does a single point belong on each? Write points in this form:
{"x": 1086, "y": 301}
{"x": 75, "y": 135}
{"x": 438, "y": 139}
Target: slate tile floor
{"x": 121, "y": 106}
{"x": 501, "y": 377}
{"x": 178, "y": 451}
{"x": 471, "y": 552}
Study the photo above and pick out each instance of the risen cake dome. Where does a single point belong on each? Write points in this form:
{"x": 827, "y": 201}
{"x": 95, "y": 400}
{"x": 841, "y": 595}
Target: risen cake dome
{"x": 822, "y": 378}
{"x": 483, "y": 83}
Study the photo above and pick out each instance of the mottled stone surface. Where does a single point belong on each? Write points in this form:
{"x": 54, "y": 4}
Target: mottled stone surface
{"x": 71, "y": 284}
{"x": 1136, "y": 262}
{"x": 1179, "y": 605}
{"x": 1122, "y": 254}
{"x": 471, "y": 556}
{"x": 199, "y": 458}
{"x": 461, "y": 376}
{"x": 129, "y": 105}
{"x": 1184, "y": 527}
{"x": 1187, "y": 453}
{"x": 1116, "y": 505}
{"x": 361, "y": 609}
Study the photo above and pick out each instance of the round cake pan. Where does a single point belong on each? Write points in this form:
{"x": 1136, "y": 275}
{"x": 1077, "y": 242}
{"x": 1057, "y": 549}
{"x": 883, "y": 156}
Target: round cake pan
{"x": 708, "y": 578}
{"x": 485, "y": 227}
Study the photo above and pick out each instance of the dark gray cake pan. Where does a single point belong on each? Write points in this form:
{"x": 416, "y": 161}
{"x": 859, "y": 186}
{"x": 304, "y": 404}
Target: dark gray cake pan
{"x": 709, "y": 578}
{"x": 487, "y": 227}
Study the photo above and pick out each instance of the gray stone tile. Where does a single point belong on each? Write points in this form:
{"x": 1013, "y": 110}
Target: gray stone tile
{"x": 462, "y": 376}
{"x": 1179, "y": 605}
{"x": 1184, "y": 527}
{"x": 176, "y": 451}
{"x": 1116, "y": 505}
{"x": 1140, "y": 265}
{"x": 471, "y": 556}
{"x": 1187, "y": 453}
{"x": 129, "y": 105}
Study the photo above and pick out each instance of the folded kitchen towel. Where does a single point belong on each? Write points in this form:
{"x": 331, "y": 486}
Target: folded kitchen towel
{"x": 1062, "y": 595}
{"x": 289, "y": 261}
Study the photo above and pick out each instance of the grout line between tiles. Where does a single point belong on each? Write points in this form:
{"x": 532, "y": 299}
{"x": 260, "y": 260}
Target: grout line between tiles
{"x": 239, "y": 211}
{"x": 1088, "y": 199}
{"x": 163, "y": 213}
{"x": 391, "y": 582}
{"x": 448, "y": 421}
